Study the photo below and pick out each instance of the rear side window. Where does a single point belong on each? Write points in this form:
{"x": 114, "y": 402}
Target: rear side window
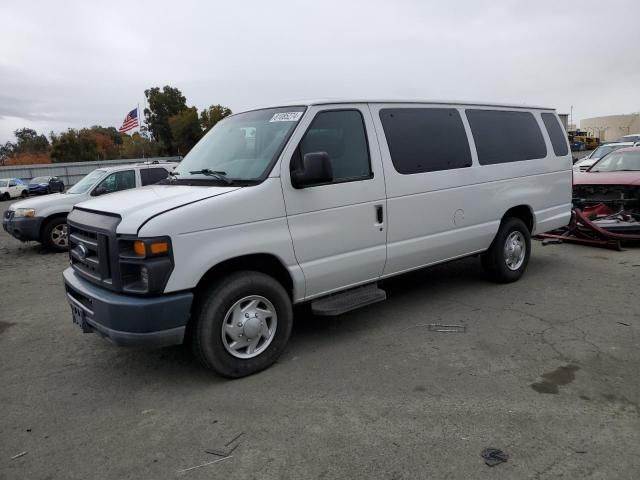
{"x": 149, "y": 176}
{"x": 425, "y": 139}
{"x": 556, "y": 134}
{"x": 506, "y": 136}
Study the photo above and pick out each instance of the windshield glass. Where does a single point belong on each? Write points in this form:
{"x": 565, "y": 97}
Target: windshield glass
{"x": 86, "y": 182}
{"x": 4, "y": 183}
{"x": 618, "y": 162}
{"x": 603, "y": 150}
{"x": 40, "y": 180}
{"x": 241, "y": 147}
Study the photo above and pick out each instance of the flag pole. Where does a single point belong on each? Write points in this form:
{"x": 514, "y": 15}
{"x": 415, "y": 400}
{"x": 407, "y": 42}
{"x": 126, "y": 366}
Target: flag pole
{"x": 140, "y": 128}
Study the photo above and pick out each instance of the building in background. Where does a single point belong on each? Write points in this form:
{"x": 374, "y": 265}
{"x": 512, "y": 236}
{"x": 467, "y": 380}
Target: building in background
{"x": 611, "y": 127}
{"x": 564, "y": 118}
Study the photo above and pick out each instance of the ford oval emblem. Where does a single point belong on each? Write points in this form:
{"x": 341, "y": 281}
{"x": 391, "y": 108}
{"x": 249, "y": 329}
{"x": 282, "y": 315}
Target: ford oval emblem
{"x": 82, "y": 251}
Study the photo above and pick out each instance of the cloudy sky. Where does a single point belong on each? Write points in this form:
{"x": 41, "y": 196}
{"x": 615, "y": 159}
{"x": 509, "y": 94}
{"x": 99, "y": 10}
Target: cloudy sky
{"x": 73, "y": 64}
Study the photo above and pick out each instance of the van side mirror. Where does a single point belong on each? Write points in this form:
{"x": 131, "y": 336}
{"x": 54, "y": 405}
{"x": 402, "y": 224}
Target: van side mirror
{"x": 316, "y": 168}
{"x": 98, "y": 191}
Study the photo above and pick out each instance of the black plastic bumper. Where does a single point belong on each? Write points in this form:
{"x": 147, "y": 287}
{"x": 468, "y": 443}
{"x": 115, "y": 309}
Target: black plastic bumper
{"x": 127, "y": 320}
{"x": 23, "y": 228}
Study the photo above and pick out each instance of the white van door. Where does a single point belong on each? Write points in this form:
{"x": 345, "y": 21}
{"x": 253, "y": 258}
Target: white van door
{"x": 338, "y": 228}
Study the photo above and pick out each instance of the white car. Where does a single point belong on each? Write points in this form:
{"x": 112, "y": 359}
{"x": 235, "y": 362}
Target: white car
{"x": 13, "y": 188}
{"x": 43, "y": 218}
{"x": 587, "y": 162}
{"x": 313, "y": 202}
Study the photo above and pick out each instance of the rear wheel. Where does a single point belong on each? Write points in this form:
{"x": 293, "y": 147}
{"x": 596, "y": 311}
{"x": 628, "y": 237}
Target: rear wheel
{"x": 508, "y": 256}
{"x": 54, "y": 234}
{"x": 242, "y": 324}
{"x": 24, "y": 194}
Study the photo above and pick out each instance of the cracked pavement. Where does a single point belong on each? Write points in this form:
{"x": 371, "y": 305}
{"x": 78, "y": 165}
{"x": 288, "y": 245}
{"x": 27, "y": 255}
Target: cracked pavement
{"x": 546, "y": 371}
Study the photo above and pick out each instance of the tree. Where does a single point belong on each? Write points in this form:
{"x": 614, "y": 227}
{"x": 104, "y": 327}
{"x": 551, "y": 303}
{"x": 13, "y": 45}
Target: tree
{"x": 163, "y": 104}
{"x": 137, "y": 146}
{"x": 185, "y": 130}
{"x": 30, "y": 142}
{"x": 74, "y": 146}
{"x": 212, "y": 115}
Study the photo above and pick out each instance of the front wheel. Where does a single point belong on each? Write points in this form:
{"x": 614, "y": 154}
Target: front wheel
{"x": 54, "y": 234}
{"x": 5, "y": 196}
{"x": 508, "y": 256}
{"x": 242, "y": 324}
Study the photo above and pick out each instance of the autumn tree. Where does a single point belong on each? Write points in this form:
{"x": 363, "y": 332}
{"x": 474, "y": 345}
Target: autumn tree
{"x": 29, "y": 144}
{"x": 212, "y": 115}
{"x": 162, "y": 105}
{"x": 185, "y": 130}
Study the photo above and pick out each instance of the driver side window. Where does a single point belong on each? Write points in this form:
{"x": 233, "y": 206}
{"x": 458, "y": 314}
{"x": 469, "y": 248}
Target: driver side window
{"x": 118, "y": 181}
{"x": 341, "y": 134}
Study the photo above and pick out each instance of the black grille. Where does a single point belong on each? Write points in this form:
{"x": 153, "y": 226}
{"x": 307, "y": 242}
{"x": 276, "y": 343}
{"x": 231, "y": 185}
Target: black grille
{"x": 8, "y": 214}
{"x": 93, "y": 247}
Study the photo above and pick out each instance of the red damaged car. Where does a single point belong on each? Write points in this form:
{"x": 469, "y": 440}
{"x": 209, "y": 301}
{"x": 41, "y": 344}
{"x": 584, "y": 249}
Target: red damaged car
{"x": 609, "y": 192}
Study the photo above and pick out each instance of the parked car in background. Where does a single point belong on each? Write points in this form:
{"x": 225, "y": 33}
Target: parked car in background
{"x": 312, "y": 203}
{"x": 585, "y": 163}
{"x": 613, "y": 181}
{"x": 45, "y": 185}
{"x": 13, "y": 188}
{"x": 43, "y": 219}
{"x": 634, "y": 137}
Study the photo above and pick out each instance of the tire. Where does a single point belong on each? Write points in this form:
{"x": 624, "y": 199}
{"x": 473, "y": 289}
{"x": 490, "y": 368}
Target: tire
{"x": 5, "y": 197}
{"x": 216, "y": 307}
{"x": 54, "y": 235}
{"x": 24, "y": 194}
{"x": 505, "y": 261}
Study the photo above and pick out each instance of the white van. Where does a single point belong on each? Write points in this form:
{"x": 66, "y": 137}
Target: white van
{"x": 43, "y": 219}
{"x": 315, "y": 203}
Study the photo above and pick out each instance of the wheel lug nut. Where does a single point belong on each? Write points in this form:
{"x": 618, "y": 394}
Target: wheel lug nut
{"x": 239, "y": 324}
{"x": 246, "y": 315}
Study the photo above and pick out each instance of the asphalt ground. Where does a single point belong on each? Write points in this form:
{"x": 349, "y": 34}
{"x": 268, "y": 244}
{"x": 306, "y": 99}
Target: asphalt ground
{"x": 546, "y": 370}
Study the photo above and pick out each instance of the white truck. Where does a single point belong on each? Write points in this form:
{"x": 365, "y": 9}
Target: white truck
{"x": 43, "y": 219}
{"x": 315, "y": 203}
{"x": 13, "y": 188}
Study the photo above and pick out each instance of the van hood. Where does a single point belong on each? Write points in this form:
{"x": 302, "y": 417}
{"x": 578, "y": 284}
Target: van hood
{"x": 137, "y": 205}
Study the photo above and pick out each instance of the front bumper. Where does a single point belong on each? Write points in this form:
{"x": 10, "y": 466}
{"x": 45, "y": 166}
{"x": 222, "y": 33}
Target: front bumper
{"x": 23, "y": 228}
{"x": 127, "y": 320}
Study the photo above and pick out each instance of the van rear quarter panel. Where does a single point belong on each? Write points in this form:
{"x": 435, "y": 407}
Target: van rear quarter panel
{"x": 243, "y": 222}
{"x": 437, "y": 216}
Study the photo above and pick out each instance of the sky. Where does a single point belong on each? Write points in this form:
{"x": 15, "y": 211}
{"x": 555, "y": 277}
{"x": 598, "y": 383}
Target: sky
{"x": 76, "y": 64}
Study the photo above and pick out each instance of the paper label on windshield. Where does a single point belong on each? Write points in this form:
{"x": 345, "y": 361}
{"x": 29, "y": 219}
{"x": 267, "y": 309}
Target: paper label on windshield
{"x": 286, "y": 117}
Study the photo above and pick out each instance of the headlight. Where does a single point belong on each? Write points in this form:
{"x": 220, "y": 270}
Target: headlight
{"x": 145, "y": 264}
{"x": 24, "y": 212}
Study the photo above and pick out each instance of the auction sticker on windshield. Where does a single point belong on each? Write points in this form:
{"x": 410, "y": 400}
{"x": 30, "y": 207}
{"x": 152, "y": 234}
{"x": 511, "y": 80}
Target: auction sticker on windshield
{"x": 286, "y": 117}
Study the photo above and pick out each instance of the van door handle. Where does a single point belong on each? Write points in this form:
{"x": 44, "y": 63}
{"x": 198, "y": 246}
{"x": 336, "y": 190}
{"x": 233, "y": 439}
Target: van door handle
{"x": 379, "y": 214}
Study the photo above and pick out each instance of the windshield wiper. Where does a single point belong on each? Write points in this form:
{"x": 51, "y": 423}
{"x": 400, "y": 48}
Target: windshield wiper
{"x": 215, "y": 174}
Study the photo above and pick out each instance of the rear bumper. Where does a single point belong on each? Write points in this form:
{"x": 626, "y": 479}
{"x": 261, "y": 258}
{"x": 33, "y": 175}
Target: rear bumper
{"x": 127, "y": 320}
{"x": 24, "y": 228}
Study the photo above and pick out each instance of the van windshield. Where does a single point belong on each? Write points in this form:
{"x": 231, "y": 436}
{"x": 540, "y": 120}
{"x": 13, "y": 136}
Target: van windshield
{"x": 241, "y": 147}
{"x": 86, "y": 182}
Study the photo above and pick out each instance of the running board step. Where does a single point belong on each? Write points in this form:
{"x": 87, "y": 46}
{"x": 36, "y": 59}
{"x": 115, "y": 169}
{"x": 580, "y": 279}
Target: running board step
{"x": 343, "y": 302}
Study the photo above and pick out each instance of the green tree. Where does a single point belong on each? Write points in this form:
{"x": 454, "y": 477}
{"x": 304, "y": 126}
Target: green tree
{"x": 162, "y": 105}
{"x": 137, "y": 146}
{"x": 185, "y": 130}
{"x": 212, "y": 115}
{"x": 30, "y": 142}
{"x": 74, "y": 146}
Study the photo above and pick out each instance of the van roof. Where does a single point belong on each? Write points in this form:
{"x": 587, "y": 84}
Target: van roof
{"x": 333, "y": 101}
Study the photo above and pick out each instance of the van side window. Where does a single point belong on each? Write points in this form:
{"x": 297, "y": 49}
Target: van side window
{"x": 506, "y": 136}
{"x": 425, "y": 139}
{"x": 149, "y": 176}
{"x": 556, "y": 133}
{"x": 341, "y": 134}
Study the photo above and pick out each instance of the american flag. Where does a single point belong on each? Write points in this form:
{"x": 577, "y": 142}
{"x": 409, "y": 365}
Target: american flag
{"x": 130, "y": 121}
